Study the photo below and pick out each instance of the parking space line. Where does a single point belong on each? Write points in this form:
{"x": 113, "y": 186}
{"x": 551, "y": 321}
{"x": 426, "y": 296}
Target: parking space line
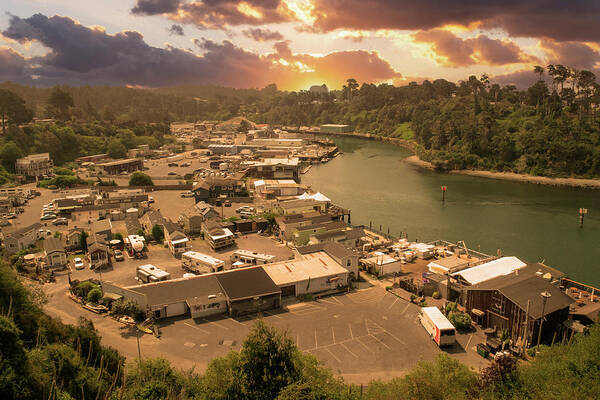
{"x": 469, "y": 342}
{"x": 338, "y": 301}
{"x": 392, "y": 305}
{"x": 195, "y": 327}
{"x": 333, "y": 335}
{"x": 333, "y": 355}
{"x": 351, "y": 334}
{"x": 348, "y": 350}
{"x": 316, "y": 343}
{"x": 241, "y": 323}
{"x": 376, "y": 338}
{"x": 389, "y": 333}
{"x": 273, "y": 315}
{"x": 327, "y": 301}
{"x": 217, "y": 324}
{"x": 405, "y": 308}
{"x": 365, "y": 346}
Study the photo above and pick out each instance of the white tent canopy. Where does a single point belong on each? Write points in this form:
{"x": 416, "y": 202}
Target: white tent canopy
{"x": 315, "y": 196}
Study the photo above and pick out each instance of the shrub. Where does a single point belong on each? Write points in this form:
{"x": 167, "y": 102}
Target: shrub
{"x": 424, "y": 304}
{"x": 413, "y": 297}
{"x": 436, "y": 295}
{"x": 130, "y": 308}
{"x": 84, "y": 288}
{"x": 94, "y": 295}
{"x": 140, "y": 179}
{"x": 450, "y": 307}
{"x": 460, "y": 320}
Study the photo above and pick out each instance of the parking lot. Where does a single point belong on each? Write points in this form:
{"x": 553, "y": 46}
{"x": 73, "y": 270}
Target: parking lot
{"x": 361, "y": 335}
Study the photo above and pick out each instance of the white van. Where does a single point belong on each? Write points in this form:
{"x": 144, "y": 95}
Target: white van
{"x": 437, "y": 325}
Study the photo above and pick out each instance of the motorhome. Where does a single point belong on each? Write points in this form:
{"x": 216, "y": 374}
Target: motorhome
{"x": 149, "y": 273}
{"x": 201, "y": 263}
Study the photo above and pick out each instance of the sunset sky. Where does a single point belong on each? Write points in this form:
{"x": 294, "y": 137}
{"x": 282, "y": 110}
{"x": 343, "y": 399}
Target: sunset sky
{"x": 292, "y": 43}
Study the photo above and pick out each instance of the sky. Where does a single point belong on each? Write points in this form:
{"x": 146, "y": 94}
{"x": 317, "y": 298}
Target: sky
{"x": 292, "y": 43}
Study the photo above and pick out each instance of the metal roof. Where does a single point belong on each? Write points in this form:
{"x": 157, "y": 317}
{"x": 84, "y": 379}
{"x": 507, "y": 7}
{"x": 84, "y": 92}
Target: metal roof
{"x": 437, "y": 317}
{"x": 490, "y": 270}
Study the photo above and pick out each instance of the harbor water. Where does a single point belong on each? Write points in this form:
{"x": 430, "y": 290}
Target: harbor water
{"x": 533, "y": 222}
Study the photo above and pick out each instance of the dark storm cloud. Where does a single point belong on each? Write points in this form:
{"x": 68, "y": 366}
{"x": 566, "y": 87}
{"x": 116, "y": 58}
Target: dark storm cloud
{"x": 573, "y": 54}
{"x": 575, "y": 20}
{"x": 176, "y": 30}
{"x": 12, "y": 65}
{"x": 262, "y": 35}
{"x": 153, "y": 7}
{"x": 458, "y": 52}
{"x": 217, "y": 14}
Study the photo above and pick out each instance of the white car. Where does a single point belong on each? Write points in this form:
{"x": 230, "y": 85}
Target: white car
{"x": 78, "y": 262}
{"x": 187, "y": 194}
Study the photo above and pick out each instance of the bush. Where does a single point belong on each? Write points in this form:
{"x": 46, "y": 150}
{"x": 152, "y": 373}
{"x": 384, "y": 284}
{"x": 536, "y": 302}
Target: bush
{"x": 413, "y": 297}
{"x": 94, "y": 295}
{"x": 130, "y": 308}
{"x": 460, "y": 320}
{"x": 424, "y": 304}
{"x": 82, "y": 290}
{"x": 140, "y": 179}
{"x": 436, "y": 295}
{"x": 158, "y": 233}
{"x": 450, "y": 307}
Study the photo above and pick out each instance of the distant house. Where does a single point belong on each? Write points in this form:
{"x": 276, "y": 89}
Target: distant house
{"x": 319, "y": 89}
{"x": 73, "y": 238}
{"x": 191, "y": 219}
{"x": 116, "y": 167}
{"x": 287, "y": 225}
{"x": 350, "y": 237}
{"x": 276, "y": 168}
{"x": 335, "y": 128}
{"x": 34, "y": 165}
{"x": 177, "y": 241}
{"x": 103, "y": 228}
{"x": 98, "y": 252}
{"x": 55, "y": 253}
{"x": 217, "y": 236}
{"x": 21, "y": 238}
{"x": 300, "y": 206}
{"x": 151, "y": 218}
{"x": 303, "y": 234}
{"x": 211, "y": 188}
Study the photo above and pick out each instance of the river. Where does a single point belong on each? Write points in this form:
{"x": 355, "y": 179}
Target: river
{"x": 533, "y": 222}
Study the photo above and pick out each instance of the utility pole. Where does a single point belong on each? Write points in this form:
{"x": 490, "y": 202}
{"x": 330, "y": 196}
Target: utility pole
{"x": 545, "y": 296}
{"x": 582, "y": 212}
{"x": 444, "y": 188}
{"x": 137, "y": 337}
{"x": 526, "y": 331}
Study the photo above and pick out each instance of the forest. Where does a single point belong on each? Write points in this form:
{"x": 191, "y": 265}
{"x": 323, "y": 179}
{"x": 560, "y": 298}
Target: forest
{"x": 42, "y": 358}
{"x": 550, "y": 129}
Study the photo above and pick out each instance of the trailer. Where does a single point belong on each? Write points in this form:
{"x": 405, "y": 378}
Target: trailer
{"x": 201, "y": 263}
{"x": 437, "y": 325}
{"x": 149, "y": 273}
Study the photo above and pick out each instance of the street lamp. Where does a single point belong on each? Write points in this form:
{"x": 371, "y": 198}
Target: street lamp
{"x": 545, "y": 296}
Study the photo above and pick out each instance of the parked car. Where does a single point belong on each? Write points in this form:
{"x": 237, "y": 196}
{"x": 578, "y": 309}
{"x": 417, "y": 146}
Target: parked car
{"x": 185, "y": 164}
{"x": 227, "y": 203}
{"x": 124, "y": 173}
{"x": 60, "y": 221}
{"x": 188, "y": 193}
{"x": 119, "y": 255}
{"x": 172, "y": 173}
{"x": 150, "y": 199}
{"x": 172, "y": 164}
{"x": 78, "y": 262}
{"x": 46, "y": 217}
{"x": 11, "y": 216}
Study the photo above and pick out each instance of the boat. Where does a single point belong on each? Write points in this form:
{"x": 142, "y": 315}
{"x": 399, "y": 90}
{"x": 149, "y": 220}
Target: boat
{"x": 305, "y": 170}
{"x": 98, "y": 309}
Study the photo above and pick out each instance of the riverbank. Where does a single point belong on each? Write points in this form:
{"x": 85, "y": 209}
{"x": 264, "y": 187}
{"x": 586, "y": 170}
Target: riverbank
{"x": 511, "y": 176}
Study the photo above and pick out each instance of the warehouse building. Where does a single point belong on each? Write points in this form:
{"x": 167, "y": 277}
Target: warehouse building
{"x": 116, "y": 167}
{"x": 249, "y": 290}
{"x": 316, "y": 273}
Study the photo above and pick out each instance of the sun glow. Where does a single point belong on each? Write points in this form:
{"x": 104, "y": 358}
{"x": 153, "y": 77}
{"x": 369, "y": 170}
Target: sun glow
{"x": 303, "y": 9}
{"x": 249, "y": 11}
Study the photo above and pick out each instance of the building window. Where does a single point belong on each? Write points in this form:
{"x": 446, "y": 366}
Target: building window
{"x": 348, "y": 263}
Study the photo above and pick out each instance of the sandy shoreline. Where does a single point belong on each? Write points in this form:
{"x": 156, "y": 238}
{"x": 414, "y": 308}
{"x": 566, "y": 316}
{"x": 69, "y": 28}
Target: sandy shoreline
{"x": 511, "y": 176}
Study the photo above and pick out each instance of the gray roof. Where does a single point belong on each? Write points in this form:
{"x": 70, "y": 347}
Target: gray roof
{"x": 328, "y": 225}
{"x": 245, "y": 283}
{"x": 132, "y": 224}
{"x": 176, "y": 290}
{"x": 53, "y": 244}
{"x": 333, "y": 249}
{"x": 102, "y": 225}
{"x": 19, "y": 233}
{"x": 526, "y": 286}
{"x": 155, "y": 217}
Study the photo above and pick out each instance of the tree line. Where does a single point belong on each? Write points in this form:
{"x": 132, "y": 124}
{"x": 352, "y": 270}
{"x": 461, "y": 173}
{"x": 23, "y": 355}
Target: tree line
{"x": 551, "y": 128}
